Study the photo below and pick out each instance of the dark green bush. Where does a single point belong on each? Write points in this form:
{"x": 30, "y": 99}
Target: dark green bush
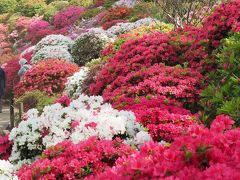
{"x": 88, "y": 47}
{"x": 222, "y": 96}
{"x": 7, "y": 6}
{"x": 35, "y": 99}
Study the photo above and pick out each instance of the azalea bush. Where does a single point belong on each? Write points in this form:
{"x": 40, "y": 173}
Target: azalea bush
{"x": 121, "y": 28}
{"x": 177, "y": 83}
{"x": 48, "y": 76}
{"x": 136, "y": 33}
{"x": 11, "y": 70}
{"x": 164, "y": 119}
{"x": 54, "y": 40}
{"x": 198, "y": 154}
{"x": 74, "y": 83}
{"x": 7, "y": 170}
{"x": 116, "y": 13}
{"x": 67, "y": 17}
{"x": 39, "y": 29}
{"x": 51, "y": 52}
{"x": 83, "y": 118}
{"x": 89, "y": 46}
{"x": 5, "y": 147}
{"x": 109, "y": 24}
{"x": 137, "y": 54}
{"x": 70, "y": 161}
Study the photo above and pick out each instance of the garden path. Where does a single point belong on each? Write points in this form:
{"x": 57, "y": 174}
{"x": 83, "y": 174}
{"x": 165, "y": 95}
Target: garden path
{"x": 4, "y": 117}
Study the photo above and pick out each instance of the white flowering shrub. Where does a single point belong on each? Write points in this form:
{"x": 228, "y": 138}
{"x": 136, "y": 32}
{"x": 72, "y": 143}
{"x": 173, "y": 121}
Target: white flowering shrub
{"x": 73, "y": 84}
{"x": 83, "y": 118}
{"x": 51, "y": 52}
{"x": 89, "y": 46}
{"x": 55, "y": 40}
{"x": 7, "y": 171}
{"x": 128, "y": 3}
{"x": 121, "y": 28}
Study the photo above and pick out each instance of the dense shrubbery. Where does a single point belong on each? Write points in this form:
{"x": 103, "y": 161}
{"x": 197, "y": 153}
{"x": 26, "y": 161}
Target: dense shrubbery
{"x": 200, "y": 154}
{"x": 51, "y": 52}
{"x": 48, "y": 76}
{"x": 5, "y": 147}
{"x": 67, "y": 17}
{"x": 35, "y": 99}
{"x": 152, "y": 75}
{"x": 69, "y": 161}
{"x": 77, "y": 121}
{"x": 54, "y": 40}
{"x": 222, "y": 95}
{"x": 88, "y": 46}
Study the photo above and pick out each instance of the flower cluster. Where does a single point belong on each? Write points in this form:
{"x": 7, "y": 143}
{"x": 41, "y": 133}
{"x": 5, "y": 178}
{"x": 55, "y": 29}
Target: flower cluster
{"x": 11, "y": 70}
{"x": 128, "y": 3}
{"x": 7, "y": 171}
{"x": 178, "y": 83}
{"x": 121, "y": 28}
{"x": 201, "y": 153}
{"x": 4, "y": 42}
{"x": 67, "y": 17}
{"x": 89, "y": 46}
{"x": 64, "y": 101}
{"x": 115, "y": 14}
{"x": 83, "y": 118}
{"x": 51, "y": 52}
{"x": 109, "y": 24}
{"x": 39, "y": 29}
{"x": 74, "y": 83}
{"x": 137, "y": 55}
{"x": 49, "y": 76}
{"x": 5, "y": 147}
{"x": 76, "y": 161}
{"x": 54, "y": 40}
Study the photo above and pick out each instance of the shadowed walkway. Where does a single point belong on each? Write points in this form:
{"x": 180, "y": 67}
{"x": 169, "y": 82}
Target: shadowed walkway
{"x": 4, "y": 117}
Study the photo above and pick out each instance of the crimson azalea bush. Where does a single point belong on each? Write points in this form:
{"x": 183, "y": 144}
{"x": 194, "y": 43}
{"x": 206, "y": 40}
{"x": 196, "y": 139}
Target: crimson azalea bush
{"x": 11, "y": 70}
{"x": 67, "y": 17}
{"x": 182, "y": 84}
{"x": 69, "y": 161}
{"x": 164, "y": 119}
{"x": 137, "y": 54}
{"x": 39, "y": 29}
{"x": 116, "y": 13}
{"x": 224, "y": 20}
{"x": 109, "y": 24}
{"x": 201, "y": 153}
{"x": 5, "y": 147}
{"x": 48, "y": 76}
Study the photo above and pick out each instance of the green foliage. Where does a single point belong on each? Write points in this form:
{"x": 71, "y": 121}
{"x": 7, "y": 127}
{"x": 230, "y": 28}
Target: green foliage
{"x": 35, "y": 99}
{"x": 7, "y": 6}
{"x": 88, "y": 47}
{"x": 12, "y": 20}
{"x": 223, "y": 95}
{"x": 84, "y": 3}
{"x": 142, "y": 10}
{"x": 60, "y": 5}
{"x": 30, "y": 8}
{"x": 90, "y": 13}
{"x": 109, "y": 3}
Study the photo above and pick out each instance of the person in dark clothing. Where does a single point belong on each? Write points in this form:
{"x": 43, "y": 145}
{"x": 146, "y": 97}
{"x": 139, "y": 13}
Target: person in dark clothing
{"x": 2, "y": 86}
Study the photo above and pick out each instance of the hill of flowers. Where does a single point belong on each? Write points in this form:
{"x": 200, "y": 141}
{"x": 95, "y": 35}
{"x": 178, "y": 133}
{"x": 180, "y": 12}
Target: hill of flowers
{"x": 121, "y": 89}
